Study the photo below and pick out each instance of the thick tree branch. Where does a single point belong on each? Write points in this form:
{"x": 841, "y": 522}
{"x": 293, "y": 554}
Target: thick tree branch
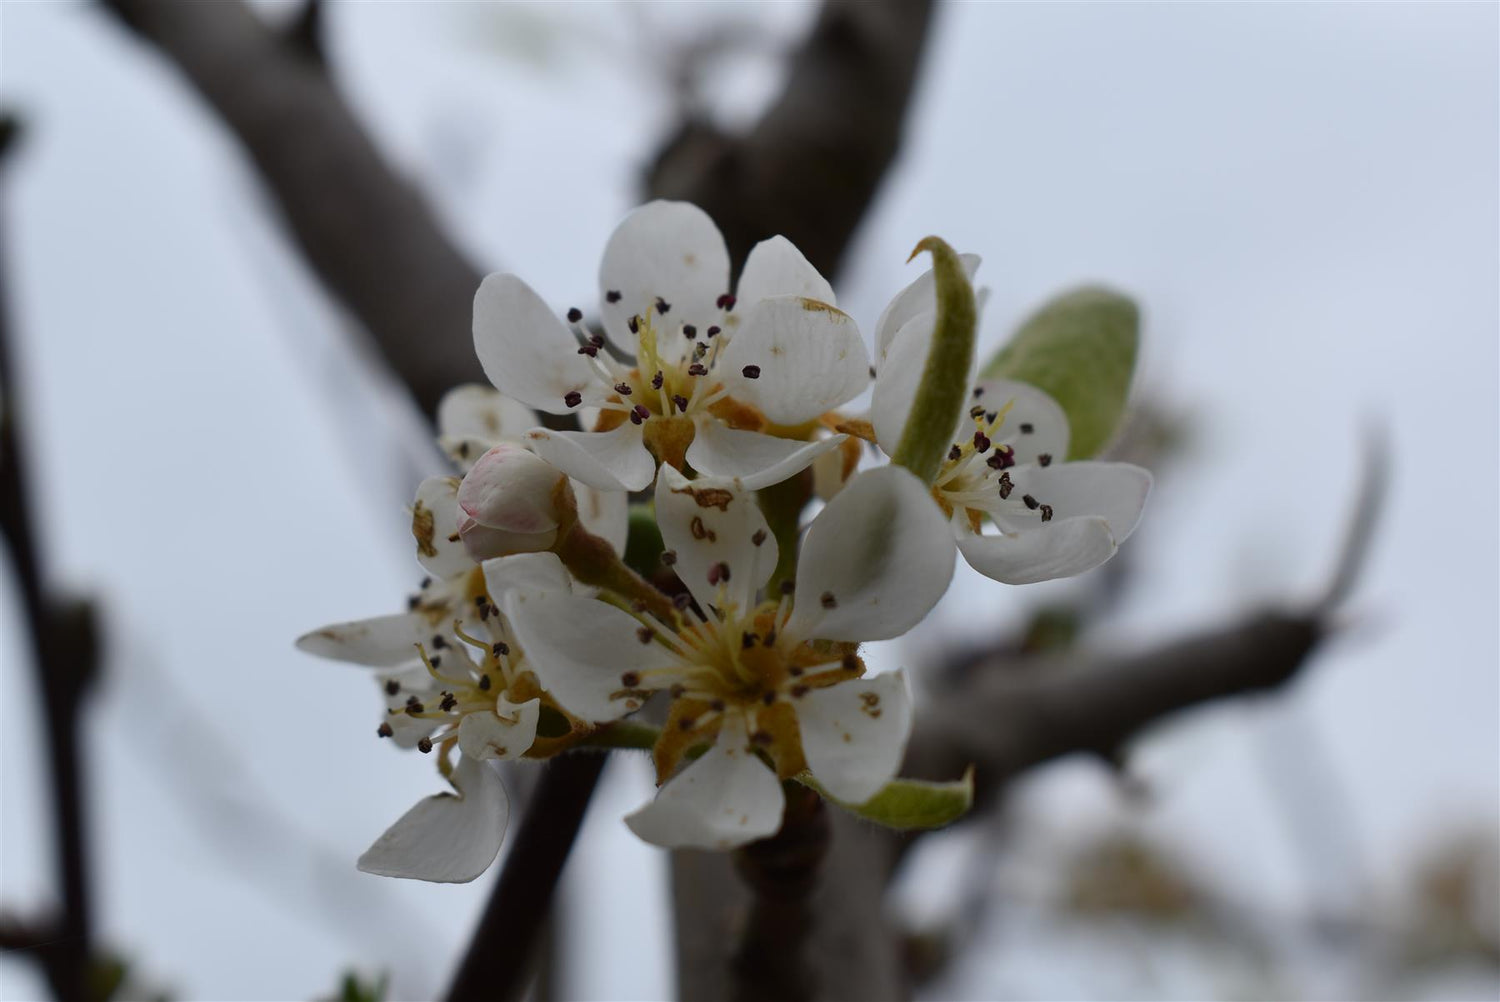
{"x": 363, "y": 229}
{"x": 810, "y": 167}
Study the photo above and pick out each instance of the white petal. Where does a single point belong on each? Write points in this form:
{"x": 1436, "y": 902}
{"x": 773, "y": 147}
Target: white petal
{"x": 473, "y": 418}
{"x": 447, "y": 839}
{"x": 532, "y": 573}
{"x": 917, "y": 298}
{"x": 526, "y": 350}
{"x": 1053, "y": 550}
{"x": 776, "y": 267}
{"x": 854, "y": 734}
{"x": 380, "y": 642}
{"x": 407, "y": 730}
{"x": 874, "y": 562}
{"x": 756, "y": 460}
{"x": 604, "y": 513}
{"x": 506, "y": 733}
{"x": 897, "y": 379}
{"x": 728, "y": 797}
{"x": 616, "y": 460}
{"x": 667, "y": 250}
{"x": 707, "y": 522}
{"x": 810, "y": 358}
{"x": 1030, "y": 408}
{"x": 1113, "y": 492}
{"x": 579, "y": 648}
{"x": 438, "y": 550}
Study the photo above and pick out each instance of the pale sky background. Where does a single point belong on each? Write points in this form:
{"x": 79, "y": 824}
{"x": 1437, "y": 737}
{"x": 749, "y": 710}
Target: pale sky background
{"x": 1303, "y": 198}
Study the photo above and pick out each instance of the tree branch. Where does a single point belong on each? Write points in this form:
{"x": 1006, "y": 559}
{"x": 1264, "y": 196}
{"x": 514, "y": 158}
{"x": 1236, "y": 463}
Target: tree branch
{"x": 810, "y": 167}
{"x": 363, "y": 229}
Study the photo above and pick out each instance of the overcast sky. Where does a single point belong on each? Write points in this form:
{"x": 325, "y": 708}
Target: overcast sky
{"x": 1303, "y": 198}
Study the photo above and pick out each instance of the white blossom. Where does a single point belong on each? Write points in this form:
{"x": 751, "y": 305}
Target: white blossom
{"x": 769, "y": 683}
{"x": 733, "y": 384}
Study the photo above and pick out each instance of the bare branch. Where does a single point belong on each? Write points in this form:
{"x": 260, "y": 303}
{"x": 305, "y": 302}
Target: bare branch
{"x": 810, "y": 167}
{"x": 363, "y": 229}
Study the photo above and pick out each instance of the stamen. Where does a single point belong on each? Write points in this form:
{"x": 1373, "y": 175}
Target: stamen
{"x": 751, "y": 372}
{"x": 623, "y": 389}
{"x": 1045, "y": 459}
{"x": 635, "y": 325}
{"x": 573, "y": 398}
{"x": 644, "y": 634}
{"x": 657, "y": 380}
{"x": 424, "y": 745}
{"x": 1046, "y": 513}
{"x": 697, "y": 369}
{"x": 1005, "y": 486}
{"x": 1027, "y": 428}
{"x": 955, "y": 453}
{"x": 758, "y": 537}
{"x": 639, "y": 413}
{"x": 574, "y": 315}
{"x": 392, "y": 687}
{"x": 680, "y": 402}
{"x": 1030, "y": 501}
{"x": 662, "y": 306}
{"x": 385, "y": 730}
{"x": 976, "y": 412}
{"x": 725, "y": 302}
{"x": 829, "y": 602}
{"x": 630, "y": 679}
{"x": 978, "y": 392}
{"x": 718, "y": 573}
{"x": 981, "y": 442}
{"x": 689, "y": 331}
{"x": 712, "y": 331}
{"x": 669, "y": 557}
{"x": 612, "y": 296}
{"x": 485, "y": 683}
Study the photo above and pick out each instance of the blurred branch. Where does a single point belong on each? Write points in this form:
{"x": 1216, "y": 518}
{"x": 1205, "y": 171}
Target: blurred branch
{"x": 65, "y": 660}
{"x": 810, "y": 167}
{"x": 498, "y": 962}
{"x": 363, "y": 229}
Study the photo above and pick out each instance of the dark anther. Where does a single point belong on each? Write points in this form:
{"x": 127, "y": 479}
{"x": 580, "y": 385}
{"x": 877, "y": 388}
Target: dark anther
{"x": 635, "y": 325}
{"x": 412, "y": 709}
{"x": 1005, "y": 486}
{"x": 669, "y": 557}
{"x": 485, "y": 683}
{"x": 976, "y": 412}
{"x": 385, "y": 730}
{"x": 682, "y": 601}
{"x": 426, "y": 582}
{"x": 644, "y": 634}
{"x": 657, "y": 380}
{"x": 480, "y": 601}
{"x": 798, "y": 691}
{"x": 597, "y": 340}
{"x": 978, "y": 392}
{"x": 680, "y": 401}
{"x": 662, "y": 306}
{"x": 829, "y": 602}
{"x": 712, "y": 331}
{"x": 630, "y": 679}
{"x": 412, "y": 601}
{"x": 747, "y": 641}
{"x": 1030, "y": 501}
{"x": 573, "y": 398}
{"x": 424, "y": 745}
{"x": 795, "y": 671}
{"x": 612, "y": 296}
{"x": 981, "y": 442}
{"x": 436, "y": 660}
{"x": 500, "y": 650}
{"x": 787, "y": 587}
{"x": 438, "y": 643}
{"x": 1046, "y": 513}
{"x": 758, "y": 537}
{"x": 392, "y": 687}
{"x": 639, "y": 413}
{"x": 687, "y": 723}
{"x": 1002, "y": 458}
{"x": 1045, "y": 459}
{"x": 463, "y": 450}
{"x": 991, "y": 415}
{"x": 1027, "y": 428}
{"x": 623, "y": 389}
{"x": 725, "y": 302}
{"x": 751, "y": 372}
{"x": 769, "y": 640}
{"x": 697, "y": 369}
{"x": 699, "y": 350}
{"x": 955, "y": 453}
{"x": 449, "y": 702}
{"x": 575, "y": 315}
{"x": 689, "y": 331}
{"x": 717, "y": 706}
{"x": 768, "y": 697}
{"x": 718, "y": 573}
{"x": 589, "y": 350}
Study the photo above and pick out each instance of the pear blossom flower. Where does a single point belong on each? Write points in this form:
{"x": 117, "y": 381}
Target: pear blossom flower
{"x": 770, "y": 683}
{"x": 473, "y": 423}
{"x": 1005, "y": 469}
{"x": 733, "y": 384}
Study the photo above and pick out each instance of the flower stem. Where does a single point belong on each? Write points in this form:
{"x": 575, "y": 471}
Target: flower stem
{"x": 594, "y": 562}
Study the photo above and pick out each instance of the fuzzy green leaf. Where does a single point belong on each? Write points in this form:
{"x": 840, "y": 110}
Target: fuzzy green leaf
{"x": 945, "y": 377}
{"x": 1080, "y": 347}
{"x": 907, "y": 804}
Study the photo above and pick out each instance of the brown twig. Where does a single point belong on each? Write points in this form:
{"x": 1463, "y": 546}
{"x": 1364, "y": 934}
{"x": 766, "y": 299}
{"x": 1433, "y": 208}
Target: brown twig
{"x": 64, "y": 659}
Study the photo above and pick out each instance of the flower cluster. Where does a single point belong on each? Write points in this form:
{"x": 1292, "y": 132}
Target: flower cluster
{"x": 743, "y": 623}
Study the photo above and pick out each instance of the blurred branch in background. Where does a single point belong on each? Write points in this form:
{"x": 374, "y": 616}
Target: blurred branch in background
{"x": 364, "y": 230}
{"x": 65, "y": 659}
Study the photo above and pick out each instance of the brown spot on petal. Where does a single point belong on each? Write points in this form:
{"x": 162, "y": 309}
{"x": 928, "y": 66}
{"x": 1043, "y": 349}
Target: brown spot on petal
{"x": 422, "y": 527}
{"x": 701, "y": 531}
{"x": 707, "y": 497}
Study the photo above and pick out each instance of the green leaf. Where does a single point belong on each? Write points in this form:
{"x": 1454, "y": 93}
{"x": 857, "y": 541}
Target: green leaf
{"x": 907, "y": 804}
{"x": 944, "y": 389}
{"x": 1080, "y": 347}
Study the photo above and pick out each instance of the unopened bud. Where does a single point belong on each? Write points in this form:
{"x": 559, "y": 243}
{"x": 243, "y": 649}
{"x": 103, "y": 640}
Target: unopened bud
{"x": 507, "y": 503}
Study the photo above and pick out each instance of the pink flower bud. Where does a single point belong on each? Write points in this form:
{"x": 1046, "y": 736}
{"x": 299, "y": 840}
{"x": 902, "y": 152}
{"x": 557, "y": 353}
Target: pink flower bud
{"x": 507, "y": 503}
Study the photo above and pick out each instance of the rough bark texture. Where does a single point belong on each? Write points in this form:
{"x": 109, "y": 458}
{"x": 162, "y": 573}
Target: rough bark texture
{"x": 363, "y": 229}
